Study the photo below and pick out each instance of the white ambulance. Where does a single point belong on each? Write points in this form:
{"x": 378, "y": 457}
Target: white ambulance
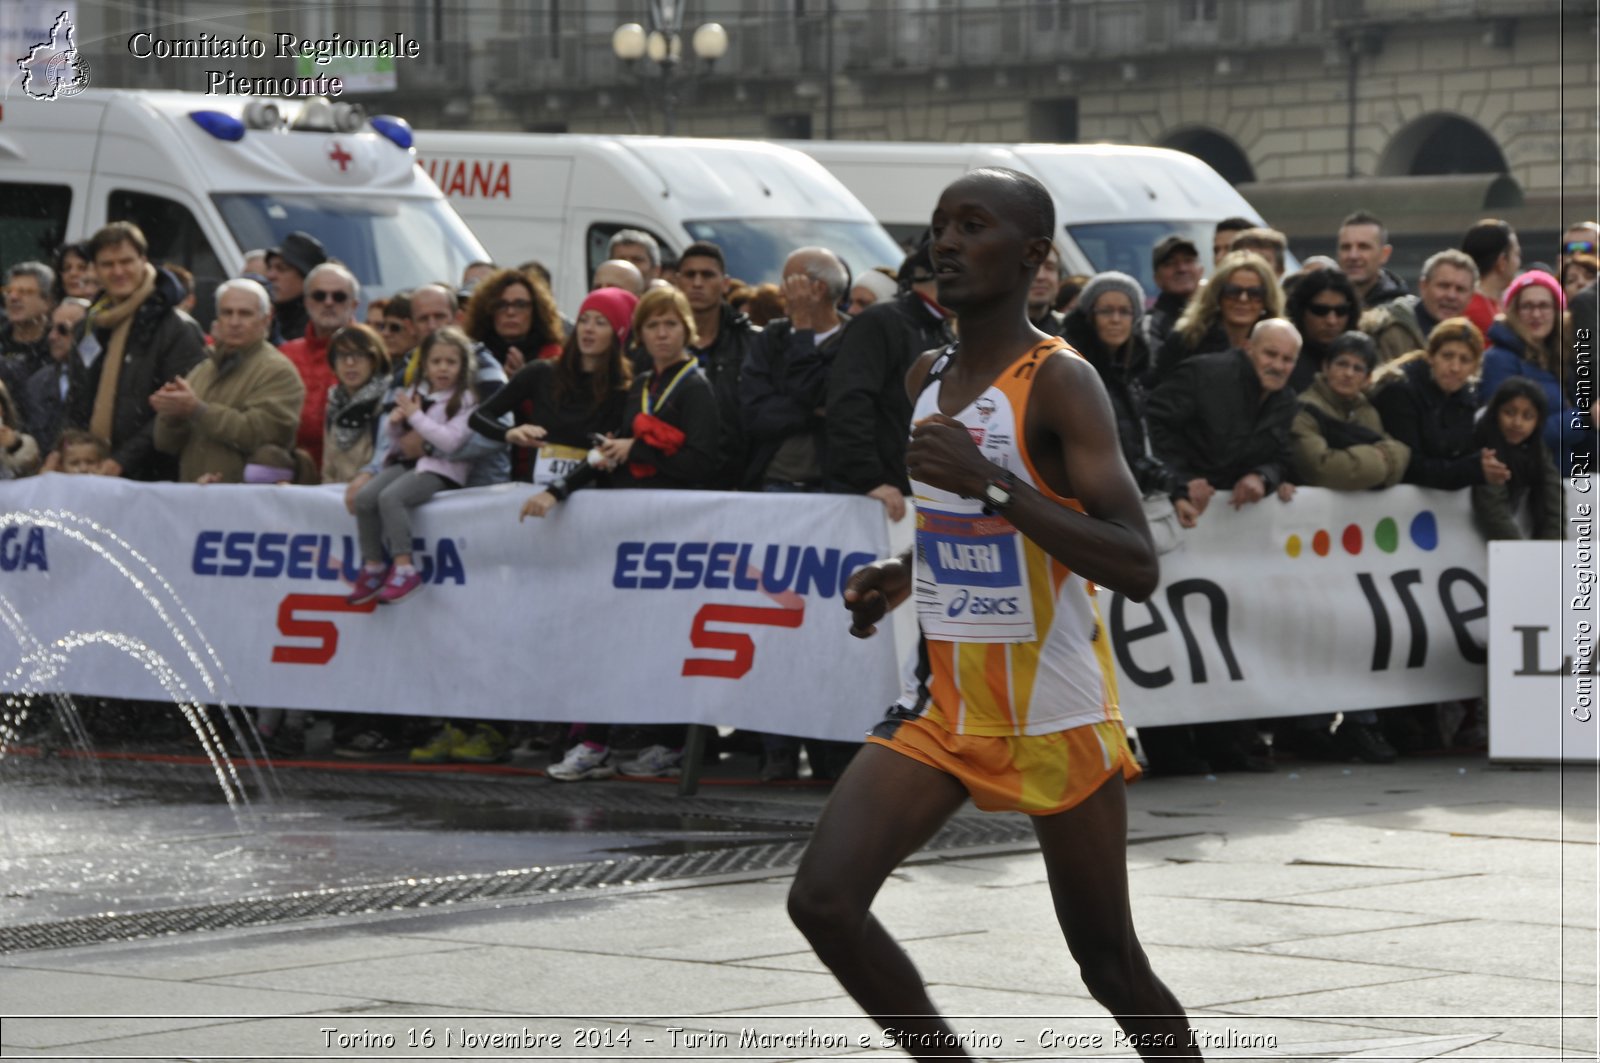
{"x": 1114, "y": 202}
{"x": 558, "y": 198}
{"x": 209, "y": 178}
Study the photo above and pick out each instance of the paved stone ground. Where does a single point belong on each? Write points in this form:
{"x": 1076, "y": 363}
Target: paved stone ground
{"x": 1433, "y": 909}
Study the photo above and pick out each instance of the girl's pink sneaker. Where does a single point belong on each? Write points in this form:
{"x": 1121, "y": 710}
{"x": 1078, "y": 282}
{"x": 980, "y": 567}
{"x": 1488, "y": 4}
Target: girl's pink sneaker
{"x": 368, "y": 586}
{"x": 399, "y": 586}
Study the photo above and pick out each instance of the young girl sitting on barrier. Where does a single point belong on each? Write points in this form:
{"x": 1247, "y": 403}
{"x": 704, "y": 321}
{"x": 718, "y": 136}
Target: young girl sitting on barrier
{"x": 438, "y": 410}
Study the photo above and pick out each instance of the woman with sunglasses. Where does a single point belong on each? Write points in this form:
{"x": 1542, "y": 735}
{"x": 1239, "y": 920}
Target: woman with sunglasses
{"x": 398, "y": 332}
{"x": 1323, "y": 305}
{"x": 1525, "y": 341}
{"x": 515, "y": 317}
{"x": 1220, "y": 315}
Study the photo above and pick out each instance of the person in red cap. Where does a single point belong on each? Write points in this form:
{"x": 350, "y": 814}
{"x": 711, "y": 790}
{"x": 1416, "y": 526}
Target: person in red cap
{"x": 1525, "y": 341}
{"x": 559, "y": 403}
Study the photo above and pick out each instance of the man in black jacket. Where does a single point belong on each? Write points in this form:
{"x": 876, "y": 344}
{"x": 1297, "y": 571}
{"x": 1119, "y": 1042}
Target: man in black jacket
{"x": 868, "y": 408}
{"x": 1222, "y": 420}
{"x": 727, "y": 340}
{"x": 144, "y": 341}
{"x": 783, "y": 387}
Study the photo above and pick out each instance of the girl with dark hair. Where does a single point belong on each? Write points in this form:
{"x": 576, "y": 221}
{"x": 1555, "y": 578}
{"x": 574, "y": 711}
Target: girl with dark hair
{"x": 514, "y": 315}
{"x": 558, "y": 404}
{"x": 1323, "y": 305}
{"x": 75, "y": 273}
{"x": 1529, "y": 505}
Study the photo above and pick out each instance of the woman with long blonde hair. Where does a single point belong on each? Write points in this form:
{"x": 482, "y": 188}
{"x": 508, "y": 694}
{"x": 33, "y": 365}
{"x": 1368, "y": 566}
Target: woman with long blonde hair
{"x": 1219, "y": 317}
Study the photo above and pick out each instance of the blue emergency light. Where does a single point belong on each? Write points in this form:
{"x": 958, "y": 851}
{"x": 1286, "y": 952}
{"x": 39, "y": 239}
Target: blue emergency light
{"x": 395, "y": 129}
{"x": 222, "y": 126}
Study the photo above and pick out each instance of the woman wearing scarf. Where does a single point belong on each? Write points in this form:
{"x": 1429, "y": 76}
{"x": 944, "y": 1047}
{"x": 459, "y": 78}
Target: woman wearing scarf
{"x": 360, "y": 364}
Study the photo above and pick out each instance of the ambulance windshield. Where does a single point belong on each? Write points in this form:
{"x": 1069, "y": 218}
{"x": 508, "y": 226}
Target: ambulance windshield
{"x": 391, "y": 243}
{"x": 756, "y": 247}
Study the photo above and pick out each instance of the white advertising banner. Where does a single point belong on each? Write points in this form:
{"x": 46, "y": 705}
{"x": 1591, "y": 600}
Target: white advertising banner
{"x": 1541, "y": 649}
{"x": 691, "y": 606}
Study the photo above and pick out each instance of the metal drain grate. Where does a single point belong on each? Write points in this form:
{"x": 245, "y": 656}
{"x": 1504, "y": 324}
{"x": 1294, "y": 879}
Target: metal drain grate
{"x": 959, "y": 834}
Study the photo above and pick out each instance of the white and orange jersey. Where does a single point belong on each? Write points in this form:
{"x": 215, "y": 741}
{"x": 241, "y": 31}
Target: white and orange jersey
{"x": 1013, "y": 643}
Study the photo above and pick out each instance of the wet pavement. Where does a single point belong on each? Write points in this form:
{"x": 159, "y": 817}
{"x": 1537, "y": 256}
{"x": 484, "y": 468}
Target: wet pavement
{"x": 88, "y": 836}
{"x": 1438, "y": 908}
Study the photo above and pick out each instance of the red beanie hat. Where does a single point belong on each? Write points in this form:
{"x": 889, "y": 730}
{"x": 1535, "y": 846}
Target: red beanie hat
{"x": 1542, "y": 279}
{"x": 616, "y": 304}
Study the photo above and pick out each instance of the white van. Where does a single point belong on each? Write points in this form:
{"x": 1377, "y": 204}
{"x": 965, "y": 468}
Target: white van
{"x": 559, "y": 198}
{"x": 1113, "y": 201}
{"x": 208, "y": 178}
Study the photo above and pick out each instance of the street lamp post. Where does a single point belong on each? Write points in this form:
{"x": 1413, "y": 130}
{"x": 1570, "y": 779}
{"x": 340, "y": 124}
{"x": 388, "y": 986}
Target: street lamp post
{"x": 663, "y": 44}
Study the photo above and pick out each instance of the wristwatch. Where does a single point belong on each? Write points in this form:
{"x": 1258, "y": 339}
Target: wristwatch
{"x": 999, "y": 492}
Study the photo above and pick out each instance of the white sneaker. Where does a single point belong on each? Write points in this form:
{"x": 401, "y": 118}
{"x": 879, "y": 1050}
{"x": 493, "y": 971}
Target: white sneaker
{"x": 654, "y": 761}
{"x": 583, "y": 761}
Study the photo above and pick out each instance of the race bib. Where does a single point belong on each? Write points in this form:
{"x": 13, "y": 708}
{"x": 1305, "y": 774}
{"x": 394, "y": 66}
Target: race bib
{"x": 972, "y": 577}
{"x": 555, "y": 461}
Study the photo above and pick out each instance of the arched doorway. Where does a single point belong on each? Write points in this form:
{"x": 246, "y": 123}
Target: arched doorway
{"x": 1441, "y": 143}
{"x": 1216, "y": 150}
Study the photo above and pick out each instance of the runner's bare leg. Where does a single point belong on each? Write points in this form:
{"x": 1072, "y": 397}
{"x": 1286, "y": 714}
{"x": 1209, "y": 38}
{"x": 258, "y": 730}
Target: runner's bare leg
{"x": 884, "y": 808}
{"x": 1085, "y": 854}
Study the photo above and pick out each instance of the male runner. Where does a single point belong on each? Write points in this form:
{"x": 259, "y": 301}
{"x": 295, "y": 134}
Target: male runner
{"x": 1024, "y": 507}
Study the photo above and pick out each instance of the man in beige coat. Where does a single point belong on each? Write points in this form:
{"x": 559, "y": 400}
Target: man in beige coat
{"x": 244, "y": 396}
{"x": 1337, "y": 439}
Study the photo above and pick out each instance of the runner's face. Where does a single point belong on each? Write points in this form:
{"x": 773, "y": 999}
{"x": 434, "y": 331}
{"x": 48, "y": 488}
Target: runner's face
{"x": 977, "y": 253}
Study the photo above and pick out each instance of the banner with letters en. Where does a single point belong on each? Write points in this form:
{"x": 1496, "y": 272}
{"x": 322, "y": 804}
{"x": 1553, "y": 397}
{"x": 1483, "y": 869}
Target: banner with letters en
{"x": 690, "y": 606}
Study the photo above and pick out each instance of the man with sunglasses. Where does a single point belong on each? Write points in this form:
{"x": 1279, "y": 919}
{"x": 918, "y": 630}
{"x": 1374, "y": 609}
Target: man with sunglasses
{"x": 44, "y": 399}
{"x": 331, "y": 295}
{"x": 1582, "y": 238}
{"x": 24, "y": 333}
{"x": 288, "y": 266}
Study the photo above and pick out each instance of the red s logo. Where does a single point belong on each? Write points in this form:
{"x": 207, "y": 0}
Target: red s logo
{"x": 326, "y": 632}
{"x": 740, "y": 645}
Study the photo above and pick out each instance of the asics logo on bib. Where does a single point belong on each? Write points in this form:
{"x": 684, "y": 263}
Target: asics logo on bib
{"x": 980, "y": 605}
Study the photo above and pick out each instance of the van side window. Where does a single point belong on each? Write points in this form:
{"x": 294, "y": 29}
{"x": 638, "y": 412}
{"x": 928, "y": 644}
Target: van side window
{"x": 599, "y": 239}
{"x": 33, "y": 221}
{"x": 174, "y": 236}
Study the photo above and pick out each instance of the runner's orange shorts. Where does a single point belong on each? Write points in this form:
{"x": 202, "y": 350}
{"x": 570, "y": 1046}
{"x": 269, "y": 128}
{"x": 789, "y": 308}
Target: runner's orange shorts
{"x": 1036, "y": 774}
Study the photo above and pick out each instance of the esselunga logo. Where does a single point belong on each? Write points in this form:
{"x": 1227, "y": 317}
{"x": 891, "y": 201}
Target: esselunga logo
{"x": 309, "y": 556}
{"x": 769, "y": 568}
{"x": 1423, "y": 532}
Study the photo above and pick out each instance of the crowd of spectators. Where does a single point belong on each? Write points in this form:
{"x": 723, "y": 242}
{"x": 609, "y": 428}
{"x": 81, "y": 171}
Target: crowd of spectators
{"x": 673, "y": 375}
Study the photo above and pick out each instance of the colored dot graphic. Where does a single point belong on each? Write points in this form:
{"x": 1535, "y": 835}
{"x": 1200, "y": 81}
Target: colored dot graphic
{"x": 1423, "y": 531}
